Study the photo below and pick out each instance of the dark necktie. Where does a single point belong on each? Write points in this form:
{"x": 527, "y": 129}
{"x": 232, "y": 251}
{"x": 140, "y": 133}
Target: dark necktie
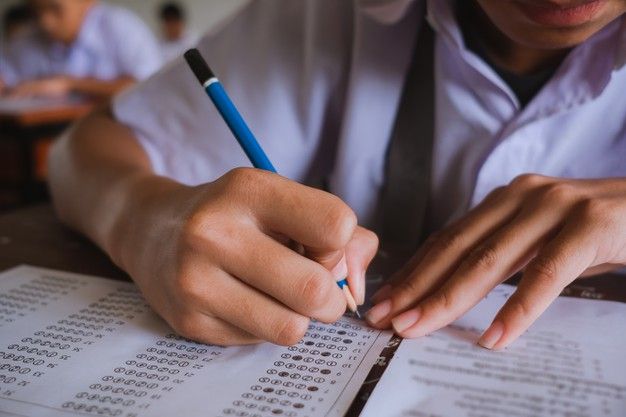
{"x": 404, "y": 197}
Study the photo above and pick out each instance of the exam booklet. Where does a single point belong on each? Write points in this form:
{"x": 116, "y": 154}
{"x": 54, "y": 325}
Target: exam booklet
{"x": 78, "y": 345}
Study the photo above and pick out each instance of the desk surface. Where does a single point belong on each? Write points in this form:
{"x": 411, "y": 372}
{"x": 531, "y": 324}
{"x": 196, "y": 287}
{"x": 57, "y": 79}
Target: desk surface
{"x": 34, "y": 236}
{"x": 45, "y": 115}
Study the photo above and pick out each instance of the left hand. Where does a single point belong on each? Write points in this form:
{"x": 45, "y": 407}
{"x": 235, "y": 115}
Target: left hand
{"x": 555, "y": 230}
{"x": 46, "y": 87}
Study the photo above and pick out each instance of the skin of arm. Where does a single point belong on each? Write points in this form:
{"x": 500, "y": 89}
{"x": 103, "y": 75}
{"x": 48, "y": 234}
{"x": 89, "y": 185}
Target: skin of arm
{"x": 215, "y": 260}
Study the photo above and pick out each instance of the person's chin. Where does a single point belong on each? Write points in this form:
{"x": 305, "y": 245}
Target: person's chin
{"x": 543, "y": 25}
{"x": 551, "y": 38}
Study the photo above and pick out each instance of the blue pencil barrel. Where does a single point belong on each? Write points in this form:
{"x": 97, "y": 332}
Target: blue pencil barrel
{"x": 238, "y": 126}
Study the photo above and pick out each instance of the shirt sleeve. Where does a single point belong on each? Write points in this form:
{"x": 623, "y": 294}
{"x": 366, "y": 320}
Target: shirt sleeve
{"x": 282, "y": 89}
{"x": 8, "y": 75}
{"x": 137, "y": 48}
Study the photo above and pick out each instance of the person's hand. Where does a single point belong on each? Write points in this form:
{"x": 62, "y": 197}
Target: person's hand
{"x": 218, "y": 261}
{"x": 46, "y": 87}
{"x": 555, "y": 230}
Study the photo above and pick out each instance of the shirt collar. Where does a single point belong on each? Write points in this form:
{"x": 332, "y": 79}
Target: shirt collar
{"x": 589, "y": 67}
{"x": 89, "y": 34}
{"x": 441, "y": 17}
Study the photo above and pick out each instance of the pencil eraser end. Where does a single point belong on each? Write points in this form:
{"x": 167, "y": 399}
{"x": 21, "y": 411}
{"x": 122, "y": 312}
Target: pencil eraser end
{"x": 198, "y": 65}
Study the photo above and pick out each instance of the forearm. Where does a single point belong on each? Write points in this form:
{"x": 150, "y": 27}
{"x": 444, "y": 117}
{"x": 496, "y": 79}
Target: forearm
{"x": 100, "y": 88}
{"x": 99, "y": 175}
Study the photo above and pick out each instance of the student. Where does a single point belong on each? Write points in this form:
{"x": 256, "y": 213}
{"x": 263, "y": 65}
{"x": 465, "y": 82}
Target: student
{"x": 17, "y": 21}
{"x": 529, "y": 143}
{"x": 176, "y": 38}
{"x": 81, "y": 46}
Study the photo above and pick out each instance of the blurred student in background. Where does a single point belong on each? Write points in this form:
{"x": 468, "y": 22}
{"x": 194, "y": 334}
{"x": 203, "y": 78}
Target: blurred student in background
{"x": 16, "y": 22}
{"x": 176, "y": 38}
{"x": 84, "y": 47}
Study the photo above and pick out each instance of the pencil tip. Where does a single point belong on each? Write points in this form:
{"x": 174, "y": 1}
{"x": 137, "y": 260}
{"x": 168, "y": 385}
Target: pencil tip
{"x": 357, "y": 313}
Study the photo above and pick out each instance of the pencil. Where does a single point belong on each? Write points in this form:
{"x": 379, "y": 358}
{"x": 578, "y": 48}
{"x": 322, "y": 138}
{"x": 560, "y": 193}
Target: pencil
{"x": 242, "y": 133}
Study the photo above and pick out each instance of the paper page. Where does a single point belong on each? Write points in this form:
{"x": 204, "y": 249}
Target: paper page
{"x": 77, "y": 345}
{"x": 571, "y": 363}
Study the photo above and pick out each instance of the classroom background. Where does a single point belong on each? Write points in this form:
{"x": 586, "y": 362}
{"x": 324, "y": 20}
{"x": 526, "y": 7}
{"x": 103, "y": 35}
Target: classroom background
{"x": 27, "y": 129}
{"x": 202, "y": 14}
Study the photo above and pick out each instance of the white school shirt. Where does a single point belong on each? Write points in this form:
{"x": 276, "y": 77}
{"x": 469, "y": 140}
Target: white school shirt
{"x": 174, "y": 49}
{"x": 319, "y": 82}
{"x": 112, "y": 43}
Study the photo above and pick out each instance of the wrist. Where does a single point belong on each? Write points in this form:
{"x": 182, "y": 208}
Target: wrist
{"x": 144, "y": 202}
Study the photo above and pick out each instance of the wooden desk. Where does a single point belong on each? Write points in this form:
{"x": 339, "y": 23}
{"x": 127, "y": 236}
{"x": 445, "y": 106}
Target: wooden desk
{"x": 36, "y": 117}
{"x": 25, "y": 134}
{"x": 34, "y": 236}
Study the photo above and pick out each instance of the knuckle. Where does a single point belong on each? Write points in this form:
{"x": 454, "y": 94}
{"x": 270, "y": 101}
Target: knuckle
{"x": 445, "y": 299}
{"x": 241, "y": 184}
{"x": 190, "y": 289}
{"x": 193, "y": 228}
{"x": 406, "y": 291}
{"x": 485, "y": 257}
{"x": 314, "y": 291}
{"x": 291, "y": 330}
{"x": 372, "y": 238}
{"x": 519, "y": 307}
{"x": 528, "y": 181}
{"x": 450, "y": 241}
{"x": 597, "y": 210}
{"x": 557, "y": 193}
{"x": 495, "y": 194}
{"x": 544, "y": 269}
{"x": 340, "y": 222}
{"x": 210, "y": 234}
{"x": 241, "y": 177}
{"x": 187, "y": 325}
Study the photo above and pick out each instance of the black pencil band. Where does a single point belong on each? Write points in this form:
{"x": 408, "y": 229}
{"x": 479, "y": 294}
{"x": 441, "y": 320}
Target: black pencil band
{"x": 199, "y": 66}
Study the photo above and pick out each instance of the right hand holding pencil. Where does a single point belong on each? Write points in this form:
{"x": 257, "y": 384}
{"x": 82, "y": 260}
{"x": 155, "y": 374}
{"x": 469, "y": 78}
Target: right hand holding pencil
{"x": 218, "y": 261}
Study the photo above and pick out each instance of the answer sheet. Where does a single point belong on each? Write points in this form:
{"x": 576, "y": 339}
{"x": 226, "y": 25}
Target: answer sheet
{"x": 571, "y": 363}
{"x": 78, "y": 345}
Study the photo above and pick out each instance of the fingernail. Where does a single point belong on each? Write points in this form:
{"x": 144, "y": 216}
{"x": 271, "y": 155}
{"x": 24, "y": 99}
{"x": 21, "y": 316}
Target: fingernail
{"x": 492, "y": 336}
{"x": 382, "y": 293}
{"x": 406, "y": 320}
{"x": 379, "y": 312}
{"x": 340, "y": 270}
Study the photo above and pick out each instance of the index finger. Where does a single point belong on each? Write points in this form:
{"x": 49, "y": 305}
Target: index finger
{"x": 486, "y": 266}
{"x": 318, "y": 220}
{"x": 559, "y": 263}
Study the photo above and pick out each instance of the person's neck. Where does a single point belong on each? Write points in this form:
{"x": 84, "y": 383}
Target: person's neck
{"x": 87, "y": 5}
{"x": 508, "y": 54}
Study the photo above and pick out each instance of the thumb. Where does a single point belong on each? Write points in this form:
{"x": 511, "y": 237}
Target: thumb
{"x": 351, "y": 262}
{"x": 359, "y": 254}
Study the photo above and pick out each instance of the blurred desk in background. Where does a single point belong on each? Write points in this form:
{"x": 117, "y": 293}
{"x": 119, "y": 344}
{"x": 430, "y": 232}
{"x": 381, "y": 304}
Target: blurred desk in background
{"x": 34, "y": 236}
{"x": 27, "y": 128}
